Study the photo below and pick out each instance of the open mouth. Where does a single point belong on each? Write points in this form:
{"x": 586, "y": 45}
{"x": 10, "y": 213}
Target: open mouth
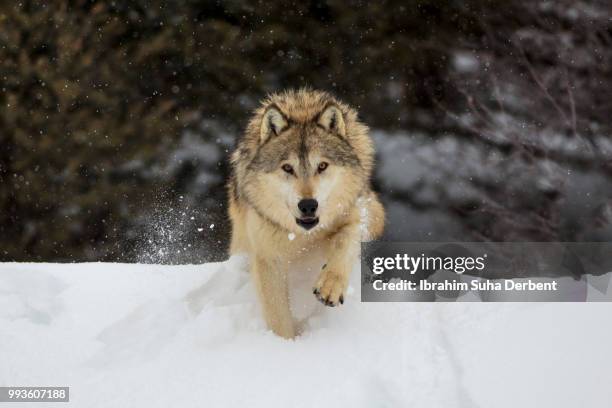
{"x": 307, "y": 222}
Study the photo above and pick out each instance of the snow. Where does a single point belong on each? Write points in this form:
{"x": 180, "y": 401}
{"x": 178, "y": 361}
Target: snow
{"x": 192, "y": 336}
{"x": 464, "y": 61}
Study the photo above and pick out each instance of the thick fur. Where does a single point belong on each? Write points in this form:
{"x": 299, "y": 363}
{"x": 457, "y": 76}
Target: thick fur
{"x": 302, "y": 129}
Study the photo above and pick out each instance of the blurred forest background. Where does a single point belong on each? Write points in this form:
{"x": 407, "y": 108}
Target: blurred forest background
{"x": 492, "y": 120}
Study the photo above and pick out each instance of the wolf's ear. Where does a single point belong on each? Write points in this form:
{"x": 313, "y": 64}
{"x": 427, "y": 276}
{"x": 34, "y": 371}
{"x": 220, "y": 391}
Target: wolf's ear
{"x": 272, "y": 123}
{"x": 332, "y": 120}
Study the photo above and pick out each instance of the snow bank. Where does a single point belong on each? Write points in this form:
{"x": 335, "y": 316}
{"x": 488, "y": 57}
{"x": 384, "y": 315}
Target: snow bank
{"x": 185, "y": 336}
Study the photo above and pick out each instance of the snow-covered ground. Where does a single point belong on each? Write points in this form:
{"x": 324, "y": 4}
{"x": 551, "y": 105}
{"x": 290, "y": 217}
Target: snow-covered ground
{"x": 191, "y": 336}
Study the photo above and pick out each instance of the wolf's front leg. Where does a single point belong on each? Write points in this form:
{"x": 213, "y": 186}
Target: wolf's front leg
{"x": 341, "y": 255}
{"x": 273, "y": 288}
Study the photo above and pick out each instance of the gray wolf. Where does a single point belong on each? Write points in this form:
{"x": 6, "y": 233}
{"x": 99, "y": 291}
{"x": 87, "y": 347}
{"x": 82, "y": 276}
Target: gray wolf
{"x": 300, "y": 184}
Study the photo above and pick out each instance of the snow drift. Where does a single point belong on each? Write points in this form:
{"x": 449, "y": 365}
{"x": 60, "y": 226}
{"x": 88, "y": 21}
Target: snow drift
{"x": 191, "y": 336}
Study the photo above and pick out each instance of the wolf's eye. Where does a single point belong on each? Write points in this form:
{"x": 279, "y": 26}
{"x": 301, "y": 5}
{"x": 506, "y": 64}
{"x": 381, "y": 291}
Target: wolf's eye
{"x": 322, "y": 167}
{"x": 287, "y": 168}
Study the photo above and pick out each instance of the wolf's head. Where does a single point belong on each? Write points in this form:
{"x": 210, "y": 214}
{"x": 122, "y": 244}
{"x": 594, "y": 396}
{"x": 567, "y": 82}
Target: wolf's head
{"x": 304, "y": 160}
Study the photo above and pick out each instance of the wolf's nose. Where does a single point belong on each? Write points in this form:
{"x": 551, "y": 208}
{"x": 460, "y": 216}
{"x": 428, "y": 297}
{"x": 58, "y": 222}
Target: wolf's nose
{"x": 308, "y": 207}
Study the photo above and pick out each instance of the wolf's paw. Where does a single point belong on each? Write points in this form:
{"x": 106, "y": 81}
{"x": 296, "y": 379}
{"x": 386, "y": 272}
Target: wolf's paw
{"x": 330, "y": 287}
